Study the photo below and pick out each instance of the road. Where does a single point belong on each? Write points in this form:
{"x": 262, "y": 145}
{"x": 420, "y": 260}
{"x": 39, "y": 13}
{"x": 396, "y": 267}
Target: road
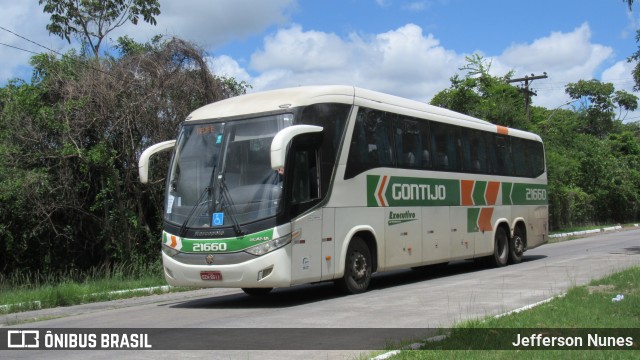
{"x": 401, "y": 299}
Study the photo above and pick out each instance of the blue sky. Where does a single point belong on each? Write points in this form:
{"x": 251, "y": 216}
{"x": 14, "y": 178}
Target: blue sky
{"x": 408, "y": 48}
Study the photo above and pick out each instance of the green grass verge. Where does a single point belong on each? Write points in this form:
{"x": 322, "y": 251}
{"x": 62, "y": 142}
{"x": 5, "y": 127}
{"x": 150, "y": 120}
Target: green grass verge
{"x": 23, "y": 292}
{"x": 584, "y": 307}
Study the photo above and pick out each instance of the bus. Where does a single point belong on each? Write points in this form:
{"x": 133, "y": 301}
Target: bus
{"x": 335, "y": 183}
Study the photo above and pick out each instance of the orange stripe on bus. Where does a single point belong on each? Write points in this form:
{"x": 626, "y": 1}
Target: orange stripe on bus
{"x": 174, "y": 241}
{"x": 491, "y": 194}
{"x": 384, "y": 181}
{"x": 467, "y": 191}
{"x": 503, "y": 130}
{"x": 484, "y": 220}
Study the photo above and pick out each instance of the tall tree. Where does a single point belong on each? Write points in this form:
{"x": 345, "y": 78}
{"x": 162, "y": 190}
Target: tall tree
{"x": 484, "y": 96}
{"x": 69, "y": 145}
{"x": 598, "y": 104}
{"x": 92, "y": 20}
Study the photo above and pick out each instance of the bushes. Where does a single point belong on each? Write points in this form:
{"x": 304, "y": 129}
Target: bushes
{"x": 69, "y": 143}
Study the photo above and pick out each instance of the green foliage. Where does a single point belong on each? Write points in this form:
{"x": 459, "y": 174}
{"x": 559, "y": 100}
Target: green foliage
{"x": 599, "y": 102}
{"x": 70, "y": 198}
{"x": 484, "y": 96}
{"x": 92, "y": 20}
{"x": 593, "y": 161}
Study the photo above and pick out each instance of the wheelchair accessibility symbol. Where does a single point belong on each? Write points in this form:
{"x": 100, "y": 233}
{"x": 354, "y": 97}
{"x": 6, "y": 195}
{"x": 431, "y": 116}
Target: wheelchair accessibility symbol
{"x": 218, "y": 219}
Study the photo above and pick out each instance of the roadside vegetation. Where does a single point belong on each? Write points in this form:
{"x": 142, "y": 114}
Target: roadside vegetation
{"x": 584, "y": 307}
{"x": 34, "y": 291}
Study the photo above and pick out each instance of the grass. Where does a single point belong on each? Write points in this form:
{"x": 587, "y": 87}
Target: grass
{"x": 583, "y": 310}
{"x": 23, "y": 292}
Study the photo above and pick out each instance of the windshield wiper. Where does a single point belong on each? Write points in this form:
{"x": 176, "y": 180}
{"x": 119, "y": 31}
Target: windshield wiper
{"x": 184, "y": 227}
{"x": 208, "y": 190}
{"x": 225, "y": 198}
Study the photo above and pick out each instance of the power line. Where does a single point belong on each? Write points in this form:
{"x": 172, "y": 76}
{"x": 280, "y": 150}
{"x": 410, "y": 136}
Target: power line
{"x": 29, "y": 40}
{"x": 53, "y": 51}
{"x": 17, "y": 48}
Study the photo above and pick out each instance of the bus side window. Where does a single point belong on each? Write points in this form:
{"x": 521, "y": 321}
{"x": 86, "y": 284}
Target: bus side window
{"x": 305, "y": 177}
{"x": 408, "y": 143}
{"x": 475, "y": 155}
{"x": 371, "y": 142}
{"x": 447, "y": 146}
{"x": 503, "y": 152}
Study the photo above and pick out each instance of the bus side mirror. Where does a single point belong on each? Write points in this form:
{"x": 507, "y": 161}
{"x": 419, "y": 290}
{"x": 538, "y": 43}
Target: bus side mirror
{"x": 143, "y": 163}
{"x": 282, "y": 140}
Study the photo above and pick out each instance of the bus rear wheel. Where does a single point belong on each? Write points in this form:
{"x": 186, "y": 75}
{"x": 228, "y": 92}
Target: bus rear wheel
{"x": 500, "y": 255}
{"x": 357, "y": 271}
{"x": 517, "y": 245}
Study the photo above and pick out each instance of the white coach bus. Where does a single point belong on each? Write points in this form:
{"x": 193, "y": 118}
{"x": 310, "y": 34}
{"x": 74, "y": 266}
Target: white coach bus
{"x": 335, "y": 183}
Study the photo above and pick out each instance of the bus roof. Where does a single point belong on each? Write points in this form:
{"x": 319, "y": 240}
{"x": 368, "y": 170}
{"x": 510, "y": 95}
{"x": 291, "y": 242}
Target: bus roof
{"x": 277, "y": 100}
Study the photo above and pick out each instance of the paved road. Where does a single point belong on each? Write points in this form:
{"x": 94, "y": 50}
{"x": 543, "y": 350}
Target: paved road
{"x": 402, "y": 299}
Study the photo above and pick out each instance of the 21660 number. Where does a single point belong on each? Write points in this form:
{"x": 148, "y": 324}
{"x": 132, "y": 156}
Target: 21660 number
{"x": 210, "y": 247}
{"x": 536, "y": 194}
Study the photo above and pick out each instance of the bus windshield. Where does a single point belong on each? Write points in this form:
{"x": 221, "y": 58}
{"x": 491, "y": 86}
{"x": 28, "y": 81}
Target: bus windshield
{"x": 221, "y": 174}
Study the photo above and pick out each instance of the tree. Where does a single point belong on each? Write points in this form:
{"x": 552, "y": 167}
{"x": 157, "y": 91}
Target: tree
{"x": 629, "y": 3}
{"x": 598, "y": 104}
{"x": 484, "y": 96}
{"x": 92, "y": 20}
{"x": 69, "y": 147}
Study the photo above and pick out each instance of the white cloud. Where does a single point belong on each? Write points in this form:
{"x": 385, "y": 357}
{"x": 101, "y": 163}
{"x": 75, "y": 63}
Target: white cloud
{"x": 404, "y": 61}
{"x": 621, "y": 74}
{"x": 207, "y": 23}
{"x": 571, "y": 54}
{"x": 228, "y": 67}
{"x": 212, "y": 23}
{"x": 565, "y": 57}
{"x": 417, "y": 6}
{"x": 299, "y": 50}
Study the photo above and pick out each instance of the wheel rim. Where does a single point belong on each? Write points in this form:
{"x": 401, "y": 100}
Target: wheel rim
{"x": 518, "y": 245}
{"x": 359, "y": 266}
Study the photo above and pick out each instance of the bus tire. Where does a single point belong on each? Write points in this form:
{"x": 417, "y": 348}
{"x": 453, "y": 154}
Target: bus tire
{"x": 257, "y": 291}
{"x": 357, "y": 270}
{"x": 500, "y": 255}
{"x": 517, "y": 245}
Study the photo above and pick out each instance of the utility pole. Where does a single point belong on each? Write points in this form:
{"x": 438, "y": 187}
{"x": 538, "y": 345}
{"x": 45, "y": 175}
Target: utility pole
{"x": 528, "y": 93}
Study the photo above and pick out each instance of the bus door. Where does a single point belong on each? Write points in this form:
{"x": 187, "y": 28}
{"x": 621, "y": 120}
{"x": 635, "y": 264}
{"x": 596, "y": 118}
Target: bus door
{"x": 313, "y": 226}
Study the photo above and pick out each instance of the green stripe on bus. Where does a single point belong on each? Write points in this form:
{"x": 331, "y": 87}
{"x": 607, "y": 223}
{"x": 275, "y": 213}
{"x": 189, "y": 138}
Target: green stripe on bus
{"x": 478, "y": 193}
{"x": 472, "y": 219}
{"x": 227, "y": 244}
{"x": 506, "y": 193}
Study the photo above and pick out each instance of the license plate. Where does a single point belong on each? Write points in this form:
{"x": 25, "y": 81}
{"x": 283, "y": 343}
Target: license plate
{"x": 210, "y": 275}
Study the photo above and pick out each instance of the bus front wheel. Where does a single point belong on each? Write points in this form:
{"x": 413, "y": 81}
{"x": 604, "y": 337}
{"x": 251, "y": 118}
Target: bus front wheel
{"x": 357, "y": 271}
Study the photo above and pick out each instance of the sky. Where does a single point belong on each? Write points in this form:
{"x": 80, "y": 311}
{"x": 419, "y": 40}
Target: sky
{"x": 409, "y": 48}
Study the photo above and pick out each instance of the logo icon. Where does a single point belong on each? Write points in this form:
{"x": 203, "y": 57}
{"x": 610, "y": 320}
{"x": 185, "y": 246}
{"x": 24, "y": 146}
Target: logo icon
{"x": 23, "y": 339}
{"x": 209, "y": 259}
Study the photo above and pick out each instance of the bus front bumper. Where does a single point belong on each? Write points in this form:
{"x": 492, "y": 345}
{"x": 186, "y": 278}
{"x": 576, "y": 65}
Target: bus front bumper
{"x": 266, "y": 271}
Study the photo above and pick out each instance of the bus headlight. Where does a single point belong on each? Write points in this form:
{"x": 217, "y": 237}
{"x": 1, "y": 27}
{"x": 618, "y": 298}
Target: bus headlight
{"x": 169, "y": 250}
{"x": 269, "y": 246}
